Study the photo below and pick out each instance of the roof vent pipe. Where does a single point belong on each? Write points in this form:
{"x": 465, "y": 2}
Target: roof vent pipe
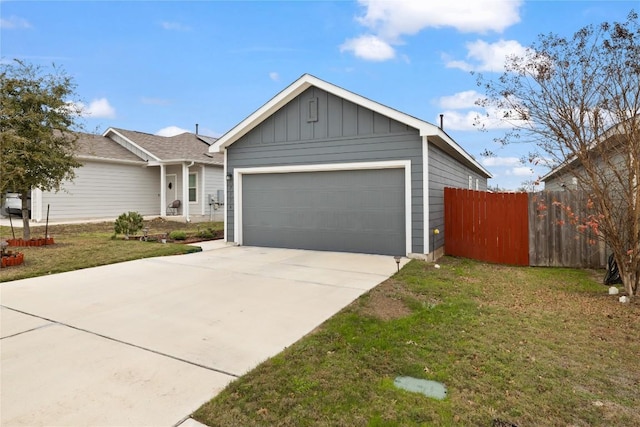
{"x": 196, "y": 128}
{"x": 441, "y": 121}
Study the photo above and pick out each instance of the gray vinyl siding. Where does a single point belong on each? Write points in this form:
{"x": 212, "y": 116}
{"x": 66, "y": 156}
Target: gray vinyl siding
{"x": 556, "y": 183}
{"x": 105, "y": 190}
{"x": 612, "y": 172}
{"x": 444, "y": 171}
{"x": 343, "y": 133}
{"x": 214, "y": 181}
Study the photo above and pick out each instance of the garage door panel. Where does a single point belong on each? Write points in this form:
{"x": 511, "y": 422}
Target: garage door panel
{"x": 350, "y": 211}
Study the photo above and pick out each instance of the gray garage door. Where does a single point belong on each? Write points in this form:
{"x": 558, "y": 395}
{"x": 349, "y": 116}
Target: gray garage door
{"x": 348, "y": 211}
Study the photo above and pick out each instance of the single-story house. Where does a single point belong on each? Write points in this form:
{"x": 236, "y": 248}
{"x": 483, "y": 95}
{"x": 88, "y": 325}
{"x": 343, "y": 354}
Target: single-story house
{"x": 125, "y": 170}
{"x": 319, "y": 167}
{"x": 611, "y": 160}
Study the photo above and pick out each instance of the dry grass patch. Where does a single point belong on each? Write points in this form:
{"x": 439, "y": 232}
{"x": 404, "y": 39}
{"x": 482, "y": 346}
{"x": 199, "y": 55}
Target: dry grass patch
{"x": 527, "y": 346}
{"x": 88, "y": 245}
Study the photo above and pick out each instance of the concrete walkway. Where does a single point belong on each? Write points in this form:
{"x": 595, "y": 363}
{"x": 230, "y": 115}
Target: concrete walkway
{"x": 147, "y": 342}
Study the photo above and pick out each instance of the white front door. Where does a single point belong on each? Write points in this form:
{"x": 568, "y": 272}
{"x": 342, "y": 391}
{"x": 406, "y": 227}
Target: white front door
{"x": 171, "y": 189}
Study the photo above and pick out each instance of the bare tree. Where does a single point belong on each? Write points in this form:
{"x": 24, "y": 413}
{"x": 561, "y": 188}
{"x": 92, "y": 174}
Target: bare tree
{"x": 577, "y": 100}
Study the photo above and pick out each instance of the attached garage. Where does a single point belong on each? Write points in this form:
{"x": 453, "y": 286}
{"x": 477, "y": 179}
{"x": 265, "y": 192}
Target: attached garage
{"x": 349, "y": 210}
{"x": 321, "y": 168}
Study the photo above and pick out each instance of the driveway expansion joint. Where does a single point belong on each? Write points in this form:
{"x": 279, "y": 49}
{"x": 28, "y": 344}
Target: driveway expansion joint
{"x": 179, "y": 359}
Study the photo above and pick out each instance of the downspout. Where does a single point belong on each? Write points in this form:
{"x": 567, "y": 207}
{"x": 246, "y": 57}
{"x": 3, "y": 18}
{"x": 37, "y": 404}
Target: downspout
{"x": 226, "y": 196}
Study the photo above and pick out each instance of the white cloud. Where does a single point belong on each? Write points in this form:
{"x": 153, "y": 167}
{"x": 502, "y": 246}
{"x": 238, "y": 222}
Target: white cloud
{"x": 476, "y": 119}
{"x": 483, "y": 56}
{"x": 460, "y": 120}
{"x": 500, "y": 161}
{"x": 174, "y": 26}
{"x": 521, "y": 171}
{"x": 369, "y": 47}
{"x": 171, "y": 131}
{"x": 274, "y": 76}
{"x": 462, "y": 113}
{"x": 14, "y": 23}
{"x": 388, "y": 21}
{"x": 394, "y": 18}
{"x": 98, "y": 108}
{"x": 460, "y": 100}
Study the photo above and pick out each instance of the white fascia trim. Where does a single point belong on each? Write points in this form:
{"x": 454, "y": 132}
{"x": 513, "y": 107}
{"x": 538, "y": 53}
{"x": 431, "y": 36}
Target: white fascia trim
{"x": 242, "y": 128}
{"x": 147, "y": 152}
{"x": 299, "y": 86}
{"x": 393, "y": 164}
{"x": 425, "y": 194}
{"x": 306, "y": 81}
{"x": 108, "y": 160}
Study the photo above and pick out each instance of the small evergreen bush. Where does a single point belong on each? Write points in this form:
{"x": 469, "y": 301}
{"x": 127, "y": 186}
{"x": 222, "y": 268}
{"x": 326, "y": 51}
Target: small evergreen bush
{"x": 205, "y": 234}
{"x": 128, "y": 224}
{"x": 177, "y": 235}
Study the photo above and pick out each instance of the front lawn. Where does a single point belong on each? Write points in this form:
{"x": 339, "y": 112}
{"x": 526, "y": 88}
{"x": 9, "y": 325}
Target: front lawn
{"x": 88, "y": 245}
{"x": 523, "y": 346}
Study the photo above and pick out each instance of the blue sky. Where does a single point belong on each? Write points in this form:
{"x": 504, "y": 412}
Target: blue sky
{"x": 161, "y": 66}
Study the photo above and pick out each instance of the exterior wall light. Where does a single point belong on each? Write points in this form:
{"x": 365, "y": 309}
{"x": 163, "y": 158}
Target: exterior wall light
{"x": 229, "y": 177}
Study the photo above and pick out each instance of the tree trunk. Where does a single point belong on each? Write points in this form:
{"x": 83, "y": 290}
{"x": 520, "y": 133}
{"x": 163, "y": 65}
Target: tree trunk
{"x": 630, "y": 275}
{"x": 26, "y": 231}
{"x": 631, "y": 281}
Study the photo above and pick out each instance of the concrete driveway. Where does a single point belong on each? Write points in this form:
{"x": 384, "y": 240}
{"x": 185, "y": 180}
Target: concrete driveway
{"x": 147, "y": 342}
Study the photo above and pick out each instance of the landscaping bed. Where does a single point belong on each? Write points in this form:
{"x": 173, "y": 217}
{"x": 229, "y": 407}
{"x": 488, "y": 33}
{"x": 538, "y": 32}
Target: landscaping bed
{"x": 91, "y": 244}
{"x": 31, "y": 242}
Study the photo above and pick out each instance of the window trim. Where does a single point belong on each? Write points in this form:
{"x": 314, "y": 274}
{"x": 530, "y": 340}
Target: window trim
{"x": 195, "y": 188}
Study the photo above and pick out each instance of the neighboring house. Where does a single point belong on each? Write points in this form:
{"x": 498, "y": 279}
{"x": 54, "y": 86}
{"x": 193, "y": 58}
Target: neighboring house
{"x": 319, "y": 167}
{"x": 133, "y": 171}
{"x": 613, "y": 165}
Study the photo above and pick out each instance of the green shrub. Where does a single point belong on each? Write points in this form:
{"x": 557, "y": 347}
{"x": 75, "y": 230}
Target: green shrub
{"x": 177, "y": 235}
{"x": 128, "y": 223}
{"x": 205, "y": 234}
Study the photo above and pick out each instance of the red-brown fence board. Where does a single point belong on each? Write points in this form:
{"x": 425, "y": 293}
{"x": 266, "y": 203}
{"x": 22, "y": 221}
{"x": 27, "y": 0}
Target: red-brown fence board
{"x": 492, "y": 227}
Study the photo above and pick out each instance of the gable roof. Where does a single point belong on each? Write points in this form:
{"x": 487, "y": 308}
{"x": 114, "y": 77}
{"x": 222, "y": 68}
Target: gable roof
{"x": 97, "y": 147}
{"x": 185, "y": 147}
{"x": 610, "y": 138}
{"x": 434, "y": 134}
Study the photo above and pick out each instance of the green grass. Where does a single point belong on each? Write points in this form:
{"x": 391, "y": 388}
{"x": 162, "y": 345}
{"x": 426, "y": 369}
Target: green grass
{"x": 80, "y": 246}
{"x": 531, "y": 346}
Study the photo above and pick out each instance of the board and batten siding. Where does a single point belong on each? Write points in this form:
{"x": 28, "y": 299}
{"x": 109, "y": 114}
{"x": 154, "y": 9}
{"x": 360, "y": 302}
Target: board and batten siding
{"x": 103, "y": 190}
{"x": 444, "y": 171}
{"x": 317, "y": 127}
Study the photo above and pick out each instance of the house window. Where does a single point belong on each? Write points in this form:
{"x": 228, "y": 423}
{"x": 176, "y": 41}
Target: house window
{"x": 477, "y": 184}
{"x": 470, "y": 182}
{"x": 193, "y": 187}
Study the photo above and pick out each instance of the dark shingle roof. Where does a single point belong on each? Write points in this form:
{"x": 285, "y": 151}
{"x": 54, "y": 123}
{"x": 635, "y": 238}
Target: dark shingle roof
{"x": 90, "y": 145}
{"x": 186, "y": 146}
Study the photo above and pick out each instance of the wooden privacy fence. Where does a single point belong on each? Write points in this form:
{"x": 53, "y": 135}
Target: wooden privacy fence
{"x": 554, "y": 236}
{"x": 520, "y": 228}
{"x": 490, "y": 227}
